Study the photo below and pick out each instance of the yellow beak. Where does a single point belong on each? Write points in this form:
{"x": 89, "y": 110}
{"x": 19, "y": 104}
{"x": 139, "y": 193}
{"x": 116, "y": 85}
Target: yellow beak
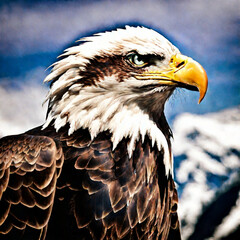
{"x": 182, "y": 72}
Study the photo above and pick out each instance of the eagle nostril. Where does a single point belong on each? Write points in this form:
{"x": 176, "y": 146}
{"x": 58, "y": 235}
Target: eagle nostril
{"x": 178, "y": 65}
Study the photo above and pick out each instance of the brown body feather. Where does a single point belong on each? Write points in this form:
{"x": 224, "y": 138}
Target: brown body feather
{"x": 95, "y": 193}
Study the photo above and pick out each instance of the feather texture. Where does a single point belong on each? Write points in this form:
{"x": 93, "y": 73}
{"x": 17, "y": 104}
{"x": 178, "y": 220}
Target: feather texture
{"x": 104, "y": 191}
{"x": 30, "y": 166}
{"x": 101, "y": 165}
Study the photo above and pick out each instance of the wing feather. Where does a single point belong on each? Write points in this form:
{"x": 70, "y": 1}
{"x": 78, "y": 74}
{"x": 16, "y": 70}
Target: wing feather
{"x": 29, "y": 167}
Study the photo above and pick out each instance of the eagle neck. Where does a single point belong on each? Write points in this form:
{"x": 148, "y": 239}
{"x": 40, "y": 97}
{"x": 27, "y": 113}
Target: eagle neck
{"x": 123, "y": 121}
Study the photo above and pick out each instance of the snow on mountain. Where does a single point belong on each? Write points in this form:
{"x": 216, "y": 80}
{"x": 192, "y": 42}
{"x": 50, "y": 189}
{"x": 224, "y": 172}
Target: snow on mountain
{"x": 207, "y": 159}
{"x": 232, "y": 220}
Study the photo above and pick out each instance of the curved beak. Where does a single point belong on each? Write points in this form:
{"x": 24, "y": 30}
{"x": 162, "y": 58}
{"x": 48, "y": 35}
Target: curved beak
{"x": 182, "y": 72}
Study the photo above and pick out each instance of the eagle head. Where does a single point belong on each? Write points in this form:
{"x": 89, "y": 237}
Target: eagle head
{"x": 119, "y": 81}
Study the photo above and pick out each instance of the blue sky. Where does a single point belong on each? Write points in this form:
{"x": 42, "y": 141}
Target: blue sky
{"x": 34, "y": 33}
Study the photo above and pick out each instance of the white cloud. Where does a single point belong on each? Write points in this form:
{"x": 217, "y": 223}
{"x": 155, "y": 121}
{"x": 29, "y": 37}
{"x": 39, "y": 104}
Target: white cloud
{"x": 21, "y": 107}
{"x": 204, "y": 25}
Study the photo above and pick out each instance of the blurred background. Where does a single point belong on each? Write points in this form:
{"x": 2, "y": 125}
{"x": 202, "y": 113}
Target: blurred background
{"x": 206, "y": 136}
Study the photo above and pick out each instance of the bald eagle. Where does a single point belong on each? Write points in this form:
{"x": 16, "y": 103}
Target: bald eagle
{"x": 101, "y": 165}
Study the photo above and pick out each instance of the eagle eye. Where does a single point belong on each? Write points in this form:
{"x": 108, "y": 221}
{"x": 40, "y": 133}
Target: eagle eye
{"x": 137, "y": 60}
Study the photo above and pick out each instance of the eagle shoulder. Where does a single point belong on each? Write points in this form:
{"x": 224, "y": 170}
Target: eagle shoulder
{"x": 29, "y": 168}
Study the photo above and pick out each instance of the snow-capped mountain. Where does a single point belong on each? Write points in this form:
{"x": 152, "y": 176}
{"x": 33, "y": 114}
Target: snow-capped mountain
{"x": 207, "y": 170}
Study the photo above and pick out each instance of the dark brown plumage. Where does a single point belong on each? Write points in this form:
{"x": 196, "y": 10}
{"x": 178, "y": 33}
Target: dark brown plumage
{"x": 30, "y": 166}
{"x": 92, "y": 190}
{"x": 100, "y": 167}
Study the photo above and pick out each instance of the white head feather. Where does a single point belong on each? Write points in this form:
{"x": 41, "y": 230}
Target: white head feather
{"x": 107, "y": 103}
